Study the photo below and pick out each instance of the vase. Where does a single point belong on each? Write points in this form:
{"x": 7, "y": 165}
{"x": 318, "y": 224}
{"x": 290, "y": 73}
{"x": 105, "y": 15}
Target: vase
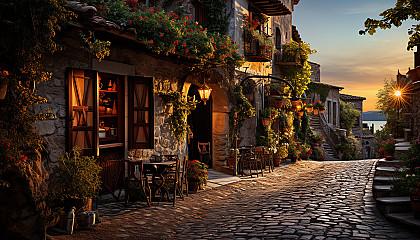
{"x": 114, "y": 108}
{"x": 193, "y": 185}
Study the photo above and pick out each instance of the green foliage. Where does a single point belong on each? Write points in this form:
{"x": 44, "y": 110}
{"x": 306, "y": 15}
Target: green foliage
{"x": 350, "y": 147}
{"x": 30, "y": 32}
{"x": 408, "y": 170}
{"x": 403, "y": 10}
{"x": 316, "y": 138}
{"x": 302, "y": 130}
{"x": 319, "y": 105}
{"x": 197, "y": 171}
{"x": 76, "y": 177}
{"x": 242, "y": 110}
{"x": 98, "y": 48}
{"x": 348, "y": 115}
{"x": 318, "y": 155}
{"x": 217, "y": 21}
{"x": 170, "y": 33}
{"x": 182, "y": 107}
{"x": 265, "y": 136}
{"x": 322, "y": 89}
{"x": 281, "y": 152}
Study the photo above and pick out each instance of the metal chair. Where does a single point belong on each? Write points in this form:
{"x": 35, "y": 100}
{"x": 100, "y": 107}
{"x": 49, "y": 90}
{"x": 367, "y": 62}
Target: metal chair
{"x": 135, "y": 181}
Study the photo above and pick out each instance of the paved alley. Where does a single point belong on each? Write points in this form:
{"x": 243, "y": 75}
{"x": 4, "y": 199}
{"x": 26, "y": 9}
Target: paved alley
{"x": 306, "y": 200}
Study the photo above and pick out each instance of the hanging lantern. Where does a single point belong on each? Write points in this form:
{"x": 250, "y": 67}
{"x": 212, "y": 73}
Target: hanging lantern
{"x": 266, "y": 121}
{"x": 204, "y": 92}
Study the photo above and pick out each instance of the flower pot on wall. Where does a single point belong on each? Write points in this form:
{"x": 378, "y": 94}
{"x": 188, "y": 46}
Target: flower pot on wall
{"x": 309, "y": 109}
{"x": 322, "y": 111}
{"x": 276, "y": 161}
{"x": 266, "y": 121}
{"x": 316, "y": 111}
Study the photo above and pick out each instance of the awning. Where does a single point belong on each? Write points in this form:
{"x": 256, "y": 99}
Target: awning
{"x": 271, "y": 7}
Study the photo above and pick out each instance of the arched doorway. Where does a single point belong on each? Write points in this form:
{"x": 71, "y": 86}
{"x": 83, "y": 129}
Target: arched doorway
{"x": 200, "y": 122}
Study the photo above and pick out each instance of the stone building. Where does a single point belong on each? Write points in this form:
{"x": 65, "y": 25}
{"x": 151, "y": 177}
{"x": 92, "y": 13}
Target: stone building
{"x": 357, "y": 101}
{"x": 111, "y": 108}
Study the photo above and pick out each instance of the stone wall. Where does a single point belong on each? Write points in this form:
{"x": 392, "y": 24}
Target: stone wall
{"x": 146, "y": 64}
{"x": 315, "y": 72}
{"x": 415, "y": 112}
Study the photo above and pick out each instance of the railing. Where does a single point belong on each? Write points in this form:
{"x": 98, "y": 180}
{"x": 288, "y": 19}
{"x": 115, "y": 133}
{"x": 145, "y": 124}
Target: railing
{"x": 256, "y": 50}
{"x": 331, "y": 136}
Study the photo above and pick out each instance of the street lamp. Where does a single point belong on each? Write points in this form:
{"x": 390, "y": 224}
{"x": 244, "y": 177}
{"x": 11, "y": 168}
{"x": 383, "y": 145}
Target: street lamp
{"x": 398, "y": 94}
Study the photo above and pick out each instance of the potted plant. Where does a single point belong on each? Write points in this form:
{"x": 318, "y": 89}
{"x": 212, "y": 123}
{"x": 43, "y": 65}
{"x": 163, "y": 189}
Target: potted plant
{"x": 281, "y": 153}
{"x": 386, "y": 148}
{"x": 309, "y": 107}
{"x": 231, "y": 157}
{"x": 266, "y": 116}
{"x": 305, "y": 151}
{"x": 76, "y": 180}
{"x": 294, "y": 152}
{"x": 318, "y": 154}
{"x": 318, "y": 107}
{"x": 197, "y": 175}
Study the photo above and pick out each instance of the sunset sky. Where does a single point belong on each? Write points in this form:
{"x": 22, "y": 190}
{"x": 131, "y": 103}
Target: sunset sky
{"x": 359, "y": 63}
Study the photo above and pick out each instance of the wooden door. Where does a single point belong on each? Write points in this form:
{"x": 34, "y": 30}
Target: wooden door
{"x": 83, "y": 111}
{"x": 140, "y": 112}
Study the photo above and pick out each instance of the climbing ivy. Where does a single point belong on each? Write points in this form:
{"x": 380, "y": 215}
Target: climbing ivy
{"x": 322, "y": 89}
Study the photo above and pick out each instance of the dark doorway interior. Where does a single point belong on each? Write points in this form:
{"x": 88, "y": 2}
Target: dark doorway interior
{"x": 201, "y": 125}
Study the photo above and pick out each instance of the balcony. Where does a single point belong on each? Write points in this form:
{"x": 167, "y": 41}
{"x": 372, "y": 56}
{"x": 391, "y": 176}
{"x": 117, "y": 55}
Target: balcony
{"x": 258, "y": 46}
{"x": 273, "y": 7}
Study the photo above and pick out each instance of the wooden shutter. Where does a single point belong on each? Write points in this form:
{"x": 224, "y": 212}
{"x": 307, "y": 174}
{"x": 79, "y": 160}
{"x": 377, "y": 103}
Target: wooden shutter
{"x": 82, "y": 111}
{"x": 140, "y": 112}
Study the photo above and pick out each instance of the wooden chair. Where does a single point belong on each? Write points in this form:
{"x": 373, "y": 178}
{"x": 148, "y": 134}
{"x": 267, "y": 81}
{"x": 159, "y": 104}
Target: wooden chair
{"x": 259, "y": 160}
{"x": 268, "y": 159}
{"x": 135, "y": 181}
{"x": 173, "y": 177}
{"x": 252, "y": 161}
{"x": 183, "y": 184}
{"x": 204, "y": 150}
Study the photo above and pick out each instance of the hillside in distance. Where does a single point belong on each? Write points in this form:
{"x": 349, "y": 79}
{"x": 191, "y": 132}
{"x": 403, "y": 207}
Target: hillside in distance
{"x": 373, "y": 116}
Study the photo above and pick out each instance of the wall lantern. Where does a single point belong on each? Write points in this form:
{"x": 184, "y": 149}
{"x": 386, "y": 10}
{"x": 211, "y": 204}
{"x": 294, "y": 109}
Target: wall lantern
{"x": 266, "y": 121}
{"x": 204, "y": 92}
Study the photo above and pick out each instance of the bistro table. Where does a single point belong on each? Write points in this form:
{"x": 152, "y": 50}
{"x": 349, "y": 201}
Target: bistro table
{"x": 158, "y": 170}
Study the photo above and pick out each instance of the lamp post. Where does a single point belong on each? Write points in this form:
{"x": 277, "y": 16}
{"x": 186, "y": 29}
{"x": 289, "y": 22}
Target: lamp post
{"x": 295, "y": 100}
{"x": 398, "y": 94}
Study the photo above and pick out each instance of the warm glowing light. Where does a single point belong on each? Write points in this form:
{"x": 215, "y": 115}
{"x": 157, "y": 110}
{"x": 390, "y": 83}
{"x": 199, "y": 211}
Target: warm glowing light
{"x": 204, "y": 92}
{"x": 397, "y": 93}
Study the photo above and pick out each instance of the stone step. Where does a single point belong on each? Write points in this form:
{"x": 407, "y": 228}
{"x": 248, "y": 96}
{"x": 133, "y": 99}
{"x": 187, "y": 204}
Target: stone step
{"x": 388, "y": 205}
{"x": 387, "y": 163}
{"x": 383, "y": 180}
{"x": 385, "y": 171}
{"x": 407, "y": 219}
{"x": 380, "y": 191}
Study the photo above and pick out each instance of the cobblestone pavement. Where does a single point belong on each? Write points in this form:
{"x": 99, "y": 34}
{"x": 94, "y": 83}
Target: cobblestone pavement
{"x": 306, "y": 200}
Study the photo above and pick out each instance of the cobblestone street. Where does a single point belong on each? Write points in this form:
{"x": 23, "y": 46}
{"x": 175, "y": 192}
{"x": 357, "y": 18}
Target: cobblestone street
{"x": 306, "y": 200}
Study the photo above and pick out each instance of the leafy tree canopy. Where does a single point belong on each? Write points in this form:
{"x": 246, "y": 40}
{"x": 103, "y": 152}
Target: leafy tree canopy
{"x": 348, "y": 114}
{"x": 403, "y": 10}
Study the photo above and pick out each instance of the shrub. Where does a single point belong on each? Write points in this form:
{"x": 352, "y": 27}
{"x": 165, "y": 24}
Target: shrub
{"x": 385, "y": 147}
{"x": 197, "y": 171}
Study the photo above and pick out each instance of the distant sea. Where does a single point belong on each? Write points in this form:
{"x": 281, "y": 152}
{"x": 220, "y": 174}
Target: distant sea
{"x": 377, "y": 124}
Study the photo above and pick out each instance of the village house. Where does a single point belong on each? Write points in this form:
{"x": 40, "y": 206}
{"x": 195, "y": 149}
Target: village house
{"x": 112, "y": 108}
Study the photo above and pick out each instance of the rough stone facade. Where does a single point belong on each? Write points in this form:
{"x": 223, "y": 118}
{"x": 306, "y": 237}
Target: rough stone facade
{"x": 315, "y": 72}
{"x": 332, "y": 107}
{"x": 415, "y": 111}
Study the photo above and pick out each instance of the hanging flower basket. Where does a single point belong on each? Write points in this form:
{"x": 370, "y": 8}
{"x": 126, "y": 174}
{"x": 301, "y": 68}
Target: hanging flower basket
{"x": 266, "y": 121}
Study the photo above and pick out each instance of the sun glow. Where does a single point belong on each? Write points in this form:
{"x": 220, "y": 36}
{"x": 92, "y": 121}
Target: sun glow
{"x": 397, "y": 93}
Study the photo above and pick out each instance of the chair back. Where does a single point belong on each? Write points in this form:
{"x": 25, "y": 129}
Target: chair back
{"x": 185, "y": 165}
{"x": 134, "y": 170}
{"x": 259, "y": 152}
{"x": 204, "y": 147}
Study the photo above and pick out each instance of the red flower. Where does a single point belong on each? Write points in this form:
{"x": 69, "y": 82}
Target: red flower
{"x": 146, "y": 18}
{"x": 184, "y": 44}
{"x": 186, "y": 50}
{"x": 151, "y": 41}
{"x": 129, "y": 21}
{"x": 191, "y": 30}
{"x": 161, "y": 35}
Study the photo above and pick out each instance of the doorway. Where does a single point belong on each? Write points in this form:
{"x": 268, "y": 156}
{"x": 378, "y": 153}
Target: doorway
{"x": 200, "y": 122}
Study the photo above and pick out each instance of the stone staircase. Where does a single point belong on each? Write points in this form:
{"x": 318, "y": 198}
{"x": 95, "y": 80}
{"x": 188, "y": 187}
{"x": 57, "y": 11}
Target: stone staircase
{"x": 315, "y": 126}
{"x": 395, "y": 207}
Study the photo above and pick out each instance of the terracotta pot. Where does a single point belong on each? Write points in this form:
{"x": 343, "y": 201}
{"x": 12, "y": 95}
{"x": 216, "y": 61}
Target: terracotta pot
{"x": 300, "y": 113}
{"x": 266, "y": 121}
{"x": 230, "y": 161}
{"x": 276, "y": 161}
{"x": 316, "y": 111}
{"x": 193, "y": 185}
{"x": 309, "y": 109}
{"x": 321, "y": 111}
